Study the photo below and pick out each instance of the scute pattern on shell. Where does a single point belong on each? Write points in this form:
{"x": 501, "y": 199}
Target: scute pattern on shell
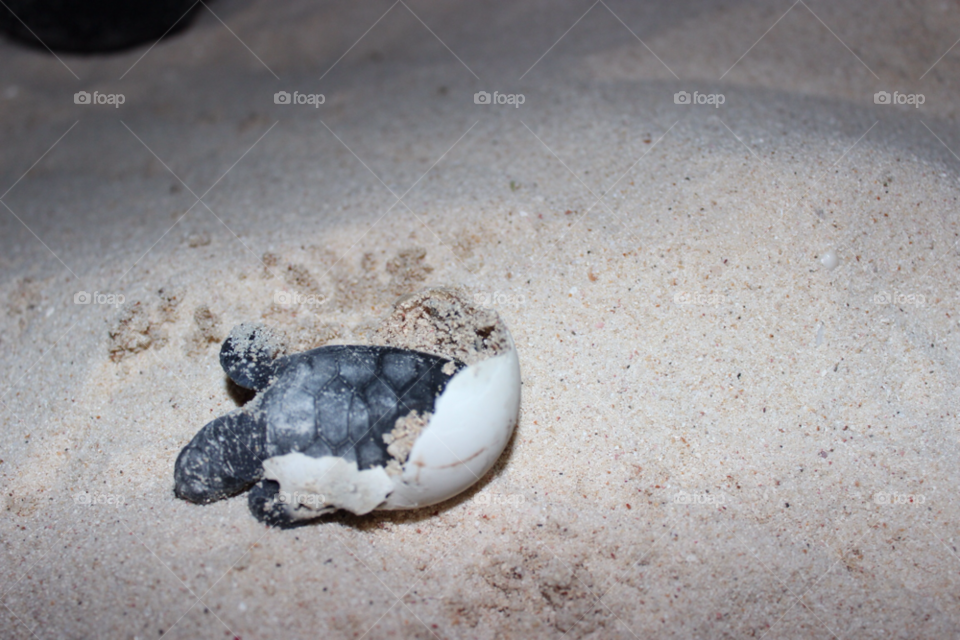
{"x": 341, "y": 400}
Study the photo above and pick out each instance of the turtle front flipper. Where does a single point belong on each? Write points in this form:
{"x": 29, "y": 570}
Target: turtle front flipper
{"x": 250, "y": 355}
{"x": 223, "y": 459}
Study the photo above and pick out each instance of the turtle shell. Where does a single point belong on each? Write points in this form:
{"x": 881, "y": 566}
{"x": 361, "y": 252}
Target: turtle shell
{"x": 342, "y": 400}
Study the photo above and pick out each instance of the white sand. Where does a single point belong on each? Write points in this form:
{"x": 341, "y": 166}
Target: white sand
{"x": 711, "y": 419}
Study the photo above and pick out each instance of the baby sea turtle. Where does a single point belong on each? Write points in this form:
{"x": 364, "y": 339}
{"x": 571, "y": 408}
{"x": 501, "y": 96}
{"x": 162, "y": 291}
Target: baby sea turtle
{"x": 361, "y": 428}
{"x": 337, "y": 403}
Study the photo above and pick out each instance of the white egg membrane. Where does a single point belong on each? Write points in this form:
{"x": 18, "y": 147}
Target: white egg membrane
{"x": 471, "y": 424}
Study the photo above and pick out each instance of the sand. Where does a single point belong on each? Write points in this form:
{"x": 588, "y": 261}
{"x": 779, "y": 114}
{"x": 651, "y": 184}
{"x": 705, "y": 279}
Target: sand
{"x": 719, "y": 436}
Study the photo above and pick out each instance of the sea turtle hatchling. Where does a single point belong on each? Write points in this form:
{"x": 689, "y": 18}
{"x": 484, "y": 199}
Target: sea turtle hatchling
{"x": 357, "y": 428}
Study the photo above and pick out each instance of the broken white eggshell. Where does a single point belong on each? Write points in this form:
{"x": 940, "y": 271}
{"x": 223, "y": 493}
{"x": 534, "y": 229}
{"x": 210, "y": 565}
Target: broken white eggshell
{"x": 472, "y": 421}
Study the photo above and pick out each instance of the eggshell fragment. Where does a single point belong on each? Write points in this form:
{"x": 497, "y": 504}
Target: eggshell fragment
{"x": 472, "y": 422}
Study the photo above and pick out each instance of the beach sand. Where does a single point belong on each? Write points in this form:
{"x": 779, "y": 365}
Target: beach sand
{"x": 720, "y": 437}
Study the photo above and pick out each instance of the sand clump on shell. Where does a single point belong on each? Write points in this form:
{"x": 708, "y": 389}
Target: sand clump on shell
{"x": 401, "y": 439}
{"x": 444, "y": 322}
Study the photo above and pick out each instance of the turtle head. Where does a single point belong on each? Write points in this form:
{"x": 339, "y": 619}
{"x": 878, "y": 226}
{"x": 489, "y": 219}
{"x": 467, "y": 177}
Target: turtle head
{"x": 249, "y": 355}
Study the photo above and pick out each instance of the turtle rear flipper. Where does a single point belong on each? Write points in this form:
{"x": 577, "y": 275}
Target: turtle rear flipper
{"x": 250, "y": 355}
{"x": 223, "y": 459}
{"x": 271, "y": 506}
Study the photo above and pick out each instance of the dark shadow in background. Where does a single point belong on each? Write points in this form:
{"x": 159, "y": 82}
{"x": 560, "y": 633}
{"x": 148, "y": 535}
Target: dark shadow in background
{"x": 93, "y": 26}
